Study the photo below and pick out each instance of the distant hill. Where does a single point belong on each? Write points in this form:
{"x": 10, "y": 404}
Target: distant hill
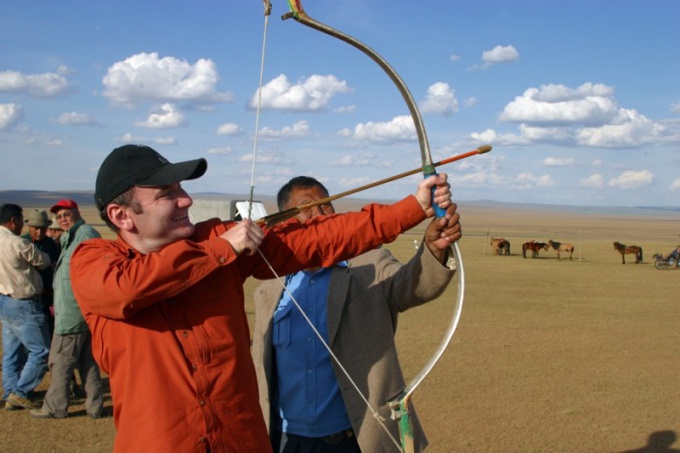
{"x": 609, "y": 210}
{"x": 42, "y": 199}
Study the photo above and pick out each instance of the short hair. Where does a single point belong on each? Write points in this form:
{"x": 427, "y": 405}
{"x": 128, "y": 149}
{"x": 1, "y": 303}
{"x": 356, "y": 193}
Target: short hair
{"x": 124, "y": 199}
{"x": 299, "y": 182}
{"x": 8, "y": 211}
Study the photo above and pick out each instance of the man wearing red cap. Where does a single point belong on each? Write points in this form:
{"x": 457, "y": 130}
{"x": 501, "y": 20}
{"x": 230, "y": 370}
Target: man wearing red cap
{"x": 72, "y": 342}
{"x": 165, "y": 301}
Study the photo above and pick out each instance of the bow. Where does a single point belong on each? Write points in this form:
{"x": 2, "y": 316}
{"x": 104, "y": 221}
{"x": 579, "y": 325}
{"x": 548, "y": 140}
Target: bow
{"x": 400, "y": 406}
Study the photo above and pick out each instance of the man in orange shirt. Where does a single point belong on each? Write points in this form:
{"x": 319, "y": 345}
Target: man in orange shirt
{"x": 165, "y": 301}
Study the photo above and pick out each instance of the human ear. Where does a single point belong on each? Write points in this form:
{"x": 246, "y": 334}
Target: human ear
{"x": 119, "y": 216}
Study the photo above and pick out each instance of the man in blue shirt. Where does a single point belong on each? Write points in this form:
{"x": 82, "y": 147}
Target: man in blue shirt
{"x": 308, "y": 401}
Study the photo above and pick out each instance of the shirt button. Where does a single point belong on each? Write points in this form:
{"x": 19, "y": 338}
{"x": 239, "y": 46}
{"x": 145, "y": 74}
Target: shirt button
{"x": 223, "y": 260}
{"x": 202, "y": 402}
{"x": 194, "y": 366}
{"x": 185, "y": 334}
{"x": 309, "y": 371}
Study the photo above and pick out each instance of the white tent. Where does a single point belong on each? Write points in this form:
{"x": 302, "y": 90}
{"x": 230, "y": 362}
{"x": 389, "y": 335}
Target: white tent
{"x": 225, "y": 209}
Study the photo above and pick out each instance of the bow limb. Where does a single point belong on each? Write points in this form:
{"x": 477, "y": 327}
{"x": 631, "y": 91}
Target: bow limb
{"x": 301, "y": 16}
{"x": 401, "y": 404}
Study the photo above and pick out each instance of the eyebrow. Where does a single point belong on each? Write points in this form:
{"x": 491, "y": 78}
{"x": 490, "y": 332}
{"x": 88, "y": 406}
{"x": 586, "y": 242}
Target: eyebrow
{"x": 164, "y": 190}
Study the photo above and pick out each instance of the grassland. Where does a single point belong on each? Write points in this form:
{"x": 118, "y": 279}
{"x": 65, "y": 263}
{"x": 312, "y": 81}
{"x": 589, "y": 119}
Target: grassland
{"x": 568, "y": 356}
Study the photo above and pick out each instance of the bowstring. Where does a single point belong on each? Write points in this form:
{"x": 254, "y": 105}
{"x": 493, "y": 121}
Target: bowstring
{"x": 267, "y": 12}
{"x": 375, "y": 413}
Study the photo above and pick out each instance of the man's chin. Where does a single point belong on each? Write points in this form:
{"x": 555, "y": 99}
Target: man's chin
{"x": 185, "y": 232}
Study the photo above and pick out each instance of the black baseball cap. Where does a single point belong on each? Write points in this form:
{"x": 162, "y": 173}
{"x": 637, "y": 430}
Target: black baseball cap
{"x": 139, "y": 165}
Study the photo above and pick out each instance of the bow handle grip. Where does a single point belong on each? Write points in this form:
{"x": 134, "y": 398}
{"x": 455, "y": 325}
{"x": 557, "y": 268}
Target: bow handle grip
{"x": 438, "y": 212}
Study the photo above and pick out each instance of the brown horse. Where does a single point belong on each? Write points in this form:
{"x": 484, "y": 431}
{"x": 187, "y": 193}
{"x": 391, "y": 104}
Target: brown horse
{"x": 505, "y": 248}
{"x": 535, "y": 247}
{"x": 561, "y": 247}
{"x": 623, "y": 249}
{"x": 500, "y": 246}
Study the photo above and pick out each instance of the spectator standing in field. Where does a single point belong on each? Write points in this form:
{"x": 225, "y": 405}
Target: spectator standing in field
{"x": 54, "y": 231}
{"x": 165, "y": 300}
{"x": 307, "y": 400}
{"x": 72, "y": 343}
{"x": 38, "y": 222}
{"x": 25, "y": 333}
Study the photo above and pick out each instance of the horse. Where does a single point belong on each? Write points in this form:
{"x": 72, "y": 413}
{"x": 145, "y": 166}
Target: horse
{"x": 504, "y": 248}
{"x": 535, "y": 247}
{"x": 561, "y": 247}
{"x": 623, "y": 249}
{"x": 500, "y": 246}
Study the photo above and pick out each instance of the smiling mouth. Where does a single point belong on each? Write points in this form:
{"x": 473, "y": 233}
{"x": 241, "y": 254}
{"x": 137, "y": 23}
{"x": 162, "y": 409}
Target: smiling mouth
{"x": 180, "y": 218}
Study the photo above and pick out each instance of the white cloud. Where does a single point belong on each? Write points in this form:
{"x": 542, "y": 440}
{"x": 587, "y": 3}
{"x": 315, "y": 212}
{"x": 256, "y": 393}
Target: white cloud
{"x": 309, "y": 95}
{"x": 268, "y": 157}
{"x": 346, "y": 109}
{"x": 587, "y": 115}
{"x": 44, "y": 85}
{"x": 470, "y": 102}
{"x": 146, "y": 77}
{"x": 478, "y": 178}
{"x": 10, "y": 115}
{"x": 675, "y": 185}
{"x": 500, "y": 54}
{"x": 559, "y": 162}
{"x": 132, "y": 138}
{"x": 675, "y": 107}
{"x": 593, "y": 181}
{"x": 440, "y": 99}
{"x": 630, "y": 129}
{"x": 546, "y": 134}
{"x": 219, "y": 151}
{"x": 297, "y": 130}
{"x": 588, "y": 104}
{"x": 229, "y": 129}
{"x": 400, "y": 128}
{"x": 65, "y": 70}
{"x": 354, "y": 182}
{"x": 454, "y": 57}
{"x": 169, "y": 118}
{"x": 76, "y": 119}
{"x": 632, "y": 180}
{"x": 361, "y": 160}
{"x": 529, "y": 181}
{"x": 596, "y": 163}
{"x": 492, "y": 137}
{"x": 277, "y": 176}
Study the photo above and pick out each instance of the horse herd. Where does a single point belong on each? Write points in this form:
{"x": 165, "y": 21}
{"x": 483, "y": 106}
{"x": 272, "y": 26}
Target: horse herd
{"x": 501, "y": 246}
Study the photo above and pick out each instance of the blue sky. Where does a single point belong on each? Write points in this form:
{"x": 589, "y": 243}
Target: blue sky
{"x": 580, "y": 100}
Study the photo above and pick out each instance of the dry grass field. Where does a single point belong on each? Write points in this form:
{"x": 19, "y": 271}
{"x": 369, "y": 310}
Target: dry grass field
{"x": 550, "y": 356}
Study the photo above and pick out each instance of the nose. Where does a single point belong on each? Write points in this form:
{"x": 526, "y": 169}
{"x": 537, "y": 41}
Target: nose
{"x": 184, "y": 200}
{"x": 315, "y": 211}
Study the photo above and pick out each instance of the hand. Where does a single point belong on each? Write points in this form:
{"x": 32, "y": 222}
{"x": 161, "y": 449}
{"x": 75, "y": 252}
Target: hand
{"x": 442, "y": 193}
{"x": 443, "y": 232}
{"x": 246, "y": 236}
